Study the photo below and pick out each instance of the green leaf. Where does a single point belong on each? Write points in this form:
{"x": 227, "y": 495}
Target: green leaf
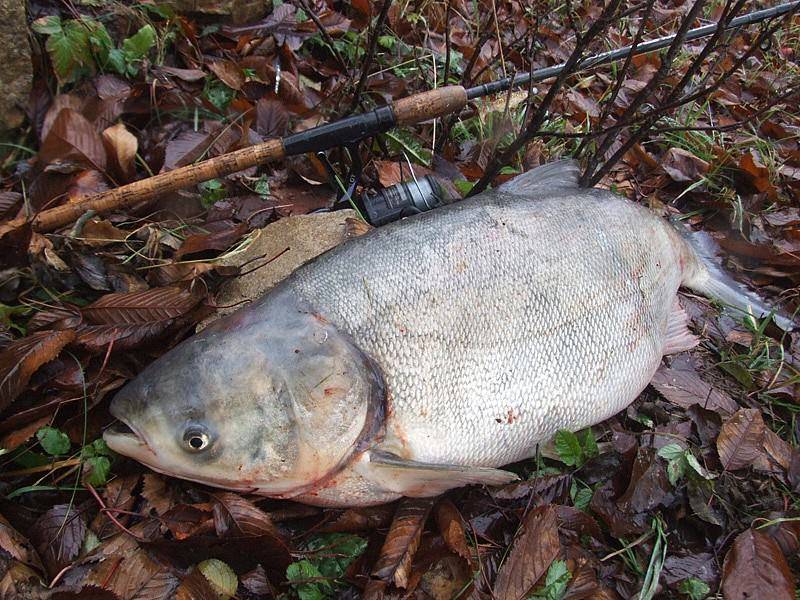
{"x": 101, "y": 449}
{"x": 697, "y": 467}
{"x": 47, "y": 25}
{"x": 588, "y": 443}
{"x": 694, "y": 588}
{"x": 219, "y": 94}
{"x": 96, "y": 470}
{"x": 337, "y": 551}
{"x": 464, "y": 186}
{"x": 116, "y": 60}
{"x": 99, "y": 40}
{"x": 53, "y": 441}
{"x": 555, "y": 582}
{"x": 220, "y": 576}
{"x": 671, "y": 451}
{"x": 138, "y": 45}
{"x": 302, "y": 570}
{"x": 676, "y": 469}
{"x": 583, "y": 498}
{"x": 569, "y": 448}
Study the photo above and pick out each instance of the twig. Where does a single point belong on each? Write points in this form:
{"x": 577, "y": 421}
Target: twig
{"x": 324, "y": 33}
{"x": 109, "y": 514}
{"x": 589, "y": 174}
{"x": 447, "y": 43}
{"x": 621, "y": 75}
{"x": 373, "y": 44}
{"x": 506, "y": 156}
{"x": 71, "y": 462}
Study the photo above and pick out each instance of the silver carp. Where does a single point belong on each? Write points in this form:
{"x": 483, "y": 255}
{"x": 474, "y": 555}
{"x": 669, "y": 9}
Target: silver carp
{"x": 427, "y": 353}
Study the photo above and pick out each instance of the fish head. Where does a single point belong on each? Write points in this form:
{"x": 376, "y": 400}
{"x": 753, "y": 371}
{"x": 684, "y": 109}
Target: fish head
{"x": 272, "y": 399}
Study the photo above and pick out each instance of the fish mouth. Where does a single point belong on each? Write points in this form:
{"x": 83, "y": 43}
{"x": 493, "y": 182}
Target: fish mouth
{"x": 124, "y": 439}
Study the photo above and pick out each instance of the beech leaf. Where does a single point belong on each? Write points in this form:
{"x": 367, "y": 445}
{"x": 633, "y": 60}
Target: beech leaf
{"x": 755, "y": 568}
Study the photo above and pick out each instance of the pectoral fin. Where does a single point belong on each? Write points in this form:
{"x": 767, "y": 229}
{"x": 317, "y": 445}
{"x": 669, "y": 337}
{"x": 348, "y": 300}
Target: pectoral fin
{"x": 419, "y": 479}
{"x": 678, "y": 338}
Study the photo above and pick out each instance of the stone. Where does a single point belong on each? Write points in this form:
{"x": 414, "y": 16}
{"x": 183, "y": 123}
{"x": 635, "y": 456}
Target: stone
{"x": 240, "y": 11}
{"x": 16, "y": 70}
{"x": 279, "y": 249}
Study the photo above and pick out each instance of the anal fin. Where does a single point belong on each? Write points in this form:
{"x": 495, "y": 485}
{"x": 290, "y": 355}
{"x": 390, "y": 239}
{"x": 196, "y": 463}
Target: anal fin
{"x": 678, "y": 337}
{"x": 419, "y": 479}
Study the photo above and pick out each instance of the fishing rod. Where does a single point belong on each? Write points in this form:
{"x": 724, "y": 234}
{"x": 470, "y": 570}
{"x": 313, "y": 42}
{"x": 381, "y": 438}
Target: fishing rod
{"x": 348, "y": 132}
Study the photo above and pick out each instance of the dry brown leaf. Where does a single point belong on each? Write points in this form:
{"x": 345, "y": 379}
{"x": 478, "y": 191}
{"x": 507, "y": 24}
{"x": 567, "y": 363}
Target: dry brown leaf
{"x": 402, "y": 541}
{"x": 683, "y": 166}
{"x": 234, "y": 515}
{"x": 217, "y": 241}
{"x": 17, "y": 547}
{"x": 272, "y": 119}
{"x": 685, "y": 387}
{"x": 57, "y": 535}
{"x": 99, "y": 232}
{"x": 135, "y": 576}
{"x": 451, "y": 526}
{"x": 20, "y": 360}
{"x": 755, "y": 568}
{"x": 73, "y": 137}
{"x": 121, "y": 147}
{"x": 132, "y": 318}
{"x": 195, "y": 587}
{"x": 741, "y": 439}
{"x": 228, "y": 72}
{"x": 158, "y": 492}
{"x": 757, "y": 173}
{"x": 361, "y": 519}
{"x": 533, "y": 551}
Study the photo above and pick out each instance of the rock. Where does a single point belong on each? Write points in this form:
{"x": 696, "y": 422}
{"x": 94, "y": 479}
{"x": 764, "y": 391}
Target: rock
{"x": 16, "y": 71}
{"x": 240, "y": 11}
{"x": 294, "y": 241}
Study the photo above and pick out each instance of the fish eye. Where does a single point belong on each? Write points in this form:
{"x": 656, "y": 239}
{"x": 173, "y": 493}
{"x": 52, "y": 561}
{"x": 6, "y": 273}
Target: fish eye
{"x": 196, "y": 439}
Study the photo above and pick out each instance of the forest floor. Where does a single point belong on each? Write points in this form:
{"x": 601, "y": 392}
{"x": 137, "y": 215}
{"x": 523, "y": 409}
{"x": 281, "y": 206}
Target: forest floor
{"x": 692, "y": 492}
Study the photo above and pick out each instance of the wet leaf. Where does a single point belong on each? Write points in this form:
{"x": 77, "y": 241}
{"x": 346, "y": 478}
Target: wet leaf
{"x": 72, "y": 137}
{"x": 200, "y": 244}
{"x": 121, "y": 147}
{"x": 196, "y": 587}
{"x": 133, "y": 318}
{"x": 228, "y": 72}
{"x": 360, "y": 519}
{"x": 220, "y": 576}
{"x": 741, "y": 440}
{"x": 534, "y": 550}
{"x": 451, "y": 526}
{"x": 234, "y": 515}
{"x": 402, "y": 541}
{"x": 14, "y": 545}
{"x": 134, "y": 576}
{"x": 58, "y": 535}
{"x": 755, "y": 568}
{"x": 757, "y": 173}
{"x": 20, "y": 360}
{"x": 53, "y": 441}
{"x": 683, "y": 166}
{"x": 272, "y": 119}
{"x": 685, "y": 387}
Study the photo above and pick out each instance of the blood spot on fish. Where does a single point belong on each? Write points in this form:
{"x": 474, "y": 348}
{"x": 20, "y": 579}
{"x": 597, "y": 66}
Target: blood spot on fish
{"x": 320, "y": 318}
{"x": 511, "y": 417}
{"x": 331, "y": 391}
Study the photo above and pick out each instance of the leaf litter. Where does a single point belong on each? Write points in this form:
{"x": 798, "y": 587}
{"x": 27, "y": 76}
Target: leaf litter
{"x": 692, "y": 491}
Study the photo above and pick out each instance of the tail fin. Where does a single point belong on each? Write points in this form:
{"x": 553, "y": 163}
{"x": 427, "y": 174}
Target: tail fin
{"x": 706, "y": 276}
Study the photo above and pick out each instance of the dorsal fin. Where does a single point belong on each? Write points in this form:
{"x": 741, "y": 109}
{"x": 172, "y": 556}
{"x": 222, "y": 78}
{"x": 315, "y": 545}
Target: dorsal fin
{"x": 560, "y": 174}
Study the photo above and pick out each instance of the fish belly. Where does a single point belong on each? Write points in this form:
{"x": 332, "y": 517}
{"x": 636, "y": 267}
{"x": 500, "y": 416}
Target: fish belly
{"x": 499, "y": 320}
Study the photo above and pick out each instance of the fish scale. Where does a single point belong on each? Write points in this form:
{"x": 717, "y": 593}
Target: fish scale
{"x": 503, "y": 320}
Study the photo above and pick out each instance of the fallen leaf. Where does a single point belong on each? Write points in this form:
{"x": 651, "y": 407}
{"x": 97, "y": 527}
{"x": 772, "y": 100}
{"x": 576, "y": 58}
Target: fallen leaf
{"x": 685, "y": 387}
{"x": 396, "y": 556}
{"x": 534, "y": 549}
{"x": 272, "y": 119}
{"x": 683, "y": 166}
{"x": 757, "y": 173}
{"x": 14, "y": 544}
{"x": 451, "y": 526}
{"x": 755, "y": 568}
{"x": 234, "y": 515}
{"x": 57, "y": 535}
{"x": 20, "y": 360}
{"x": 132, "y": 318}
{"x": 135, "y": 576}
{"x": 204, "y": 242}
{"x": 121, "y": 147}
{"x": 73, "y": 137}
{"x": 361, "y": 519}
{"x": 195, "y": 587}
{"x": 228, "y": 72}
{"x": 741, "y": 439}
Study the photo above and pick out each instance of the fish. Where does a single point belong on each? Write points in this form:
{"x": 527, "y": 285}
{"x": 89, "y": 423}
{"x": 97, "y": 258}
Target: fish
{"x": 430, "y": 352}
